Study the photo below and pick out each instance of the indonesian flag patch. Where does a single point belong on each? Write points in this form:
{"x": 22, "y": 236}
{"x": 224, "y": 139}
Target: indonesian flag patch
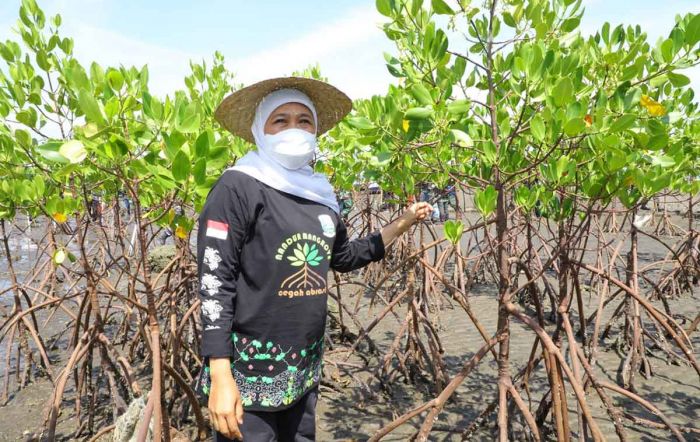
{"x": 216, "y": 229}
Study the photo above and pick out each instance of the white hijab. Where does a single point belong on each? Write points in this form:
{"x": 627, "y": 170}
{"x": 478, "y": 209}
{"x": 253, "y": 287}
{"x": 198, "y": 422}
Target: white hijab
{"x": 303, "y": 182}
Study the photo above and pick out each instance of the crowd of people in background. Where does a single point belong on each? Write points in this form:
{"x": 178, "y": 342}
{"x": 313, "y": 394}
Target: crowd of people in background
{"x": 97, "y": 205}
{"x": 443, "y": 200}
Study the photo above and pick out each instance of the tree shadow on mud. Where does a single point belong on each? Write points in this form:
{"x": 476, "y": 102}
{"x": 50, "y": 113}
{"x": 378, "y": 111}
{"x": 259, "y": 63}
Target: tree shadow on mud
{"x": 355, "y": 414}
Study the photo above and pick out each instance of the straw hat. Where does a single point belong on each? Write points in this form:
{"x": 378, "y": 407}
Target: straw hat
{"x": 237, "y": 111}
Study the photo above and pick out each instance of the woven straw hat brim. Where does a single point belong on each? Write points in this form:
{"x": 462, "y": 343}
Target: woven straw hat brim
{"x": 236, "y": 112}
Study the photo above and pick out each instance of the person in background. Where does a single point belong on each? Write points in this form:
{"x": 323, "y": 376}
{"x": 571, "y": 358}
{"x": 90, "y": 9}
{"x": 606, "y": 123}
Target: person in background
{"x": 435, "y": 215}
{"x": 452, "y": 197}
{"x": 446, "y": 199}
{"x": 345, "y": 201}
{"x": 127, "y": 204}
{"x": 121, "y": 195}
{"x": 425, "y": 192}
{"x": 427, "y": 195}
{"x": 96, "y": 208}
{"x": 168, "y": 232}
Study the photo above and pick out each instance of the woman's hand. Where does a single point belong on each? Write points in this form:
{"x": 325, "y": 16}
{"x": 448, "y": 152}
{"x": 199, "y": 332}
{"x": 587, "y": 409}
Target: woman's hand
{"x": 225, "y": 406}
{"x": 416, "y": 212}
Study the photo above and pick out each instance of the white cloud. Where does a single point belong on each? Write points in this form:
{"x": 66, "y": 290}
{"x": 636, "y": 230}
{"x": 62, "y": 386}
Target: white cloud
{"x": 348, "y": 48}
{"x": 167, "y": 67}
{"x": 349, "y": 51}
{"x": 85, "y": 21}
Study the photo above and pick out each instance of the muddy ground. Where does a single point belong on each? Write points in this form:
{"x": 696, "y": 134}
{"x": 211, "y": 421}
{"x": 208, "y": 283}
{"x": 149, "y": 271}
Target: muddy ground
{"x": 350, "y": 410}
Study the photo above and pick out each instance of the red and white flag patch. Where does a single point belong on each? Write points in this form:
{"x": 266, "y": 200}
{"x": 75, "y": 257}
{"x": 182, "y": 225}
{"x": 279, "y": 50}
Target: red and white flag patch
{"x": 217, "y": 229}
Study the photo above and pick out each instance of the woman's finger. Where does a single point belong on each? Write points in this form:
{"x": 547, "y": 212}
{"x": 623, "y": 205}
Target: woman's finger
{"x": 239, "y": 411}
{"x": 235, "y": 432}
{"x": 212, "y": 420}
{"x": 223, "y": 427}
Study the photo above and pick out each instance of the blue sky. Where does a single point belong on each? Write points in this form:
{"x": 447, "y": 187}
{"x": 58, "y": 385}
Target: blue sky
{"x": 261, "y": 39}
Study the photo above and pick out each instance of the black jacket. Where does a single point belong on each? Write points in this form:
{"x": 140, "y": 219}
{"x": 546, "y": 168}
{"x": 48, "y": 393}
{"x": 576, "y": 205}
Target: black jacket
{"x": 263, "y": 258}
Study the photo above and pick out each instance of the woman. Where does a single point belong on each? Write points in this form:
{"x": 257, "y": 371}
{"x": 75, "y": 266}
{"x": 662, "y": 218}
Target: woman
{"x": 268, "y": 233}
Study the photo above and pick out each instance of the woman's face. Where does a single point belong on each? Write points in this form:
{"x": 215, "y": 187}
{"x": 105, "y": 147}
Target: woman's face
{"x": 290, "y": 116}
